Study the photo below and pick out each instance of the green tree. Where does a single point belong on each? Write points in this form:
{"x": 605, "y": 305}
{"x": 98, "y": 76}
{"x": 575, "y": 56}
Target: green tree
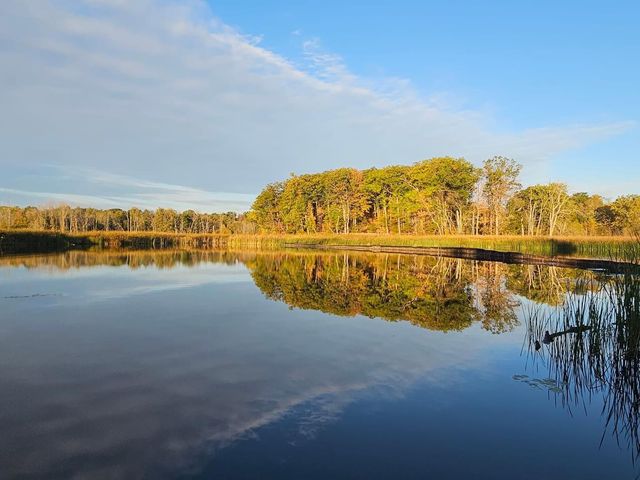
{"x": 500, "y": 182}
{"x": 444, "y": 187}
{"x": 266, "y": 208}
{"x": 386, "y": 189}
{"x": 582, "y": 213}
{"x": 346, "y": 197}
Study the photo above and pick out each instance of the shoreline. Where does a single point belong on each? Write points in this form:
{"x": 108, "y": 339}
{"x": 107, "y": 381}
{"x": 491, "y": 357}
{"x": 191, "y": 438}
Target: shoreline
{"x": 508, "y": 248}
{"x": 480, "y": 254}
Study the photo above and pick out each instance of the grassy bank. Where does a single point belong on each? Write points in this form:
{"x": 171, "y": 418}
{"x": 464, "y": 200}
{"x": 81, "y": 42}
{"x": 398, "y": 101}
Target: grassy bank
{"x": 32, "y": 241}
{"x": 588, "y": 247}
{"x": 27, "y": 241}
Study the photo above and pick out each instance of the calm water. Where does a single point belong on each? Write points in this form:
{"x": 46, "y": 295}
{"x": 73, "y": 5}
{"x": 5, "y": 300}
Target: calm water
{"x": 297, "y": 365}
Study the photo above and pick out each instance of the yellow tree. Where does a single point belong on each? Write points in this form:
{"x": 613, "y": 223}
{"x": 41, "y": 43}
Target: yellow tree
{"x": 500, "y": 181}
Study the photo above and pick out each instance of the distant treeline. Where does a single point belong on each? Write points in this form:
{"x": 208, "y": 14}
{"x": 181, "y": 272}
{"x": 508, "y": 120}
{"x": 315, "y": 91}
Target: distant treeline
{"x": 442, "y": 195}
{"x": 78, "y": 220}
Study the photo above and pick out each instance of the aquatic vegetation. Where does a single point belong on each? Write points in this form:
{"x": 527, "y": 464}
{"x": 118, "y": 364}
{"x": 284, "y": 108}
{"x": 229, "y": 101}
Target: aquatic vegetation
{"x": 590, "y": 345}
{"x": 33, "y": 241}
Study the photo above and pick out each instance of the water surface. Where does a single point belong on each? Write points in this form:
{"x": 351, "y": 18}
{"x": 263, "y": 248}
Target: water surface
{"x": 304, "y": 365}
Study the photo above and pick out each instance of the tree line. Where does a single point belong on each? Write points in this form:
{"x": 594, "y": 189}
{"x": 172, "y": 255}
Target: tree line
{"x": 64, "y": 218}
{"x": 442, "y": 195}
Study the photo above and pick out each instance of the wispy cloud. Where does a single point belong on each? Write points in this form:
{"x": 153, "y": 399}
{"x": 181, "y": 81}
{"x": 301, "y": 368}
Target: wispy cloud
{"x": 165, "y": 92}
{"x": 55, "y": 198}
{"x": 125, "y": 192}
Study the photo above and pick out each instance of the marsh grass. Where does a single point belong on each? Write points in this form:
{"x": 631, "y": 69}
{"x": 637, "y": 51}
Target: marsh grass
{"x": 618, "y": 248}
{"x": 594, "y": 350}
{"x": 29, "y": 241}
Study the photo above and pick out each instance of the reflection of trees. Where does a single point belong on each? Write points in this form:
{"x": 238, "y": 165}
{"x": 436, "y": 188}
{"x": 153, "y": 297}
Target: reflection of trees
{"x": 591, "y": 346}
{"x": 116, "y": 258}
{"x": 436, "y": 293}
{"x": 539, "y": 283}
{"x": 498, "y": 302}
{"x": 549, "y": 285}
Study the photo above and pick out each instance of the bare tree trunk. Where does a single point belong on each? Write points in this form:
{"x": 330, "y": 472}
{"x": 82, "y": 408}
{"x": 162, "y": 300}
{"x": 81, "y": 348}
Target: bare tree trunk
{"x": 386, "y": 218}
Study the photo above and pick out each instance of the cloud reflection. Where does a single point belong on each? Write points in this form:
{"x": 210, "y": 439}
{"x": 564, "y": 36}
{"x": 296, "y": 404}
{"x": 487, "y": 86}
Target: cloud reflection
{"x": 154, "y": 383}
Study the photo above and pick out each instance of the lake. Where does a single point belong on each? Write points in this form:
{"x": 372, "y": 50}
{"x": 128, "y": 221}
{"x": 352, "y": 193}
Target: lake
{"x": 306, "y": 365}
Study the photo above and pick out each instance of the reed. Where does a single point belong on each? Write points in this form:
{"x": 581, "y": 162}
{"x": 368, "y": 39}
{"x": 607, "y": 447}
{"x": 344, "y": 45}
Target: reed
{"x": 591, "y": 348}
{"x": 24, "y": 241}
{"x": 618, "y": 248}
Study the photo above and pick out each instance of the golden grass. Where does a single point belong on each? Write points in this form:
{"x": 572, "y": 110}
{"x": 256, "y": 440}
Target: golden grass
{"x": 588, "y": 246}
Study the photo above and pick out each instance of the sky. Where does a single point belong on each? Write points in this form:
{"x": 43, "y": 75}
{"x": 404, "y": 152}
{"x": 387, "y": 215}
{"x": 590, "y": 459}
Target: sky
{"x": 199, "y": 104}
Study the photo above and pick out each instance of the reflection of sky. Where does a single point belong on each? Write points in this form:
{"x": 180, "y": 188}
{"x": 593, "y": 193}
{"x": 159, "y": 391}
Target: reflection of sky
{"x": 171, "y": 365}
{"x": 106, "y": 282}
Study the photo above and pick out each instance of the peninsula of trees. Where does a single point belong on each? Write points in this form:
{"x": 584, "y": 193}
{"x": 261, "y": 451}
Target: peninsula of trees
{"x": 442, "y": 196}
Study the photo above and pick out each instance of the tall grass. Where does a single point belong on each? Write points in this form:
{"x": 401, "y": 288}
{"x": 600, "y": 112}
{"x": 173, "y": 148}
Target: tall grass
{"x": 26, "y": 241}
{"x": 592, "y": 348}
{"x": 622, "y": 248}
{"x": 591, "y": 247}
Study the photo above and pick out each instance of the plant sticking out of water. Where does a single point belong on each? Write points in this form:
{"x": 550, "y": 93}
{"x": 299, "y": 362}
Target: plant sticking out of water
{"x": 623, "y": 402}
{"x": 590, "y": 346}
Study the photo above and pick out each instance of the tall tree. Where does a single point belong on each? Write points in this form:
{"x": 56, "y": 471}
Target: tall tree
{"x": 538, "y": 209}
{"x": 556, "y": 200}
{"x": 500, "y": 181}
{"x": 347, "y": 197}
{"x": 266, "y": 208}
{"x": 444, "y": 187}
{"x": 386, "y": 189}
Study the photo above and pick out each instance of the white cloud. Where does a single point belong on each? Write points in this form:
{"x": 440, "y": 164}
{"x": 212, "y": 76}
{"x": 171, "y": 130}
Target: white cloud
{"x": 123, "y": 192}
{"x": 57, "y": 198}
{"x": 164, "y": 91}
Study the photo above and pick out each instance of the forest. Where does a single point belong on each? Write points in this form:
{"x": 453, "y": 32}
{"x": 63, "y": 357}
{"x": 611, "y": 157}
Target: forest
{"x": 441, "y": 196}
{"x": 64, "y": 218}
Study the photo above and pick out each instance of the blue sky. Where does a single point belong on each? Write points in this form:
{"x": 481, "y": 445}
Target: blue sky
{"x": 530, "y": 64}
{"x": 193, "y": 104}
